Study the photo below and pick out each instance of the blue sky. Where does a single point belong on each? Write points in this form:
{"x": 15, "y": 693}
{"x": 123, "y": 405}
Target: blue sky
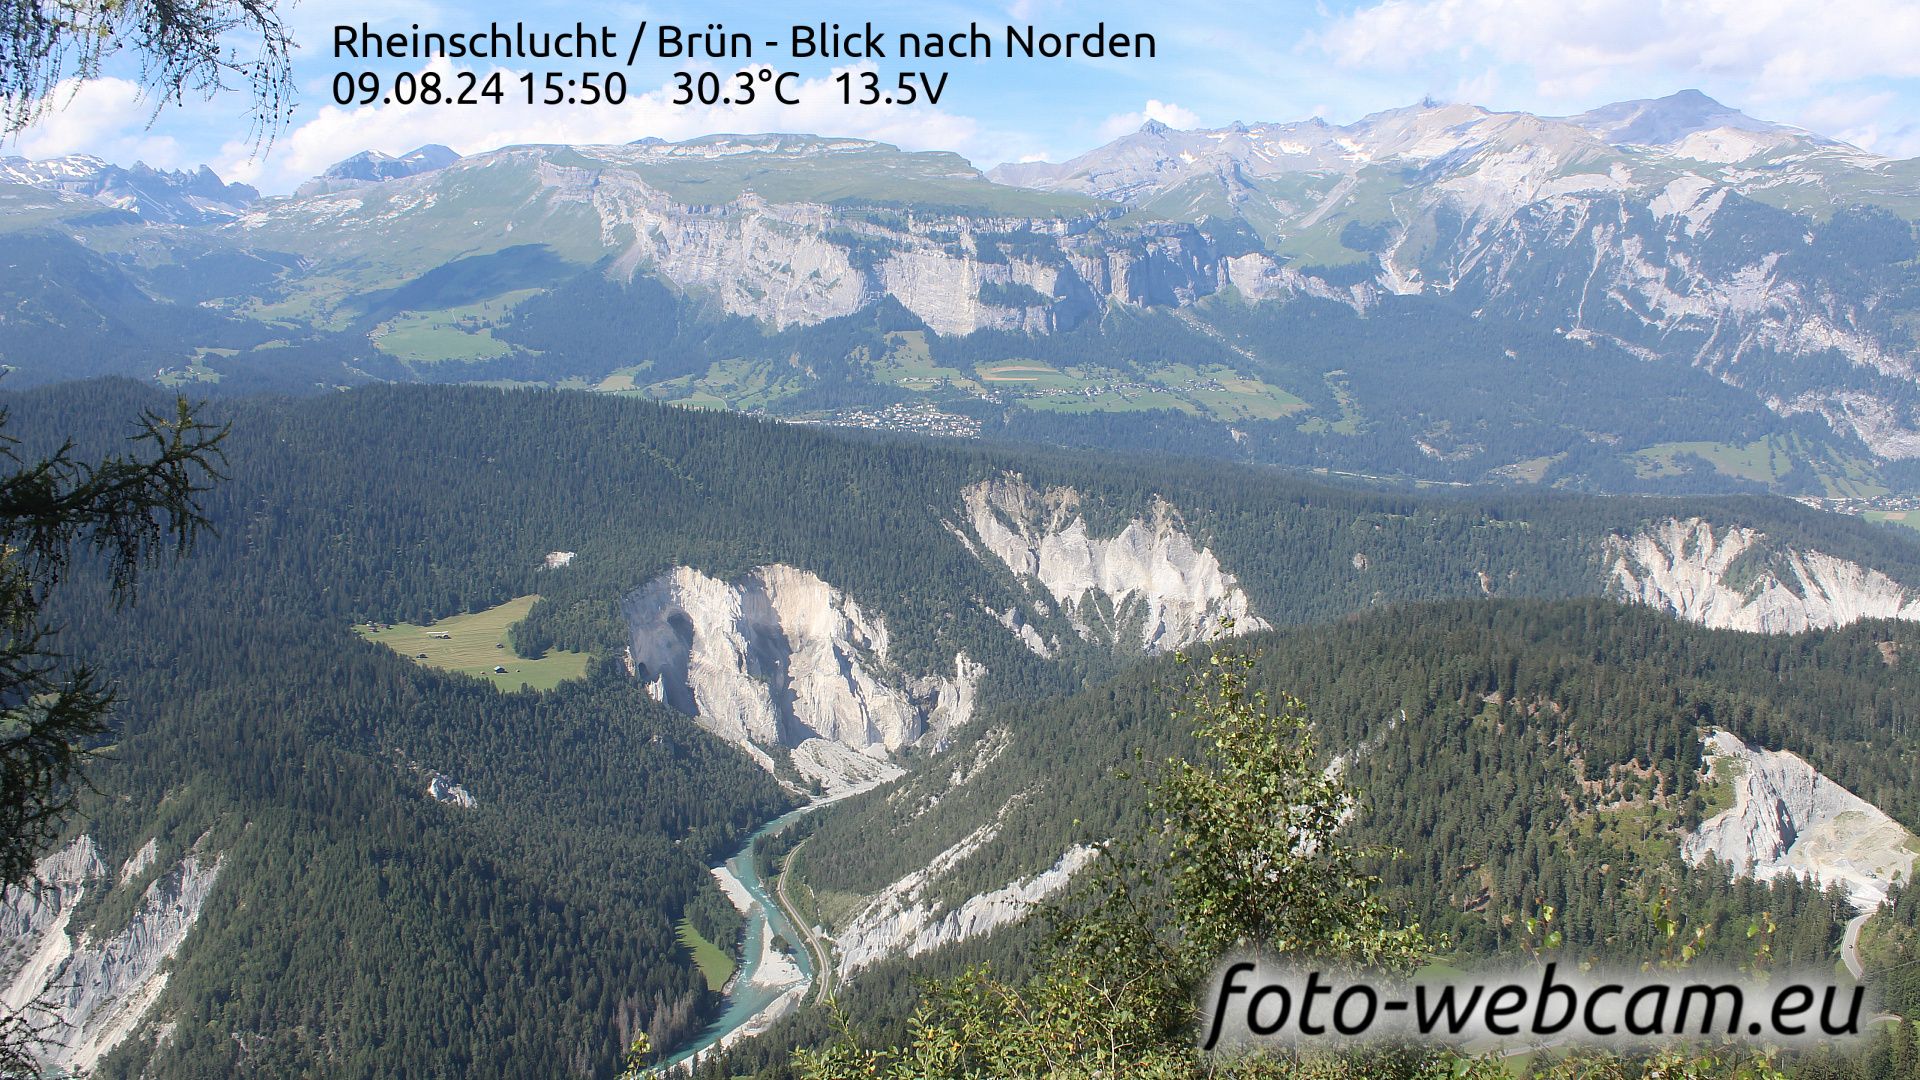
{"x": 1847, "y": 68}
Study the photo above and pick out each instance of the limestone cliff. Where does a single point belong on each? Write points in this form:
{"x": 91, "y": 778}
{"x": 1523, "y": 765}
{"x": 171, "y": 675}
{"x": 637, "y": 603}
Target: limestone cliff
{"x": 94, "y": 990}
{"x": 1734, "y": 579}
{"x": 781, "y": 662}
{"x": 1149, "y": 587}
{"x": 1789, "y": 819}
{"x": 904, "y": 919}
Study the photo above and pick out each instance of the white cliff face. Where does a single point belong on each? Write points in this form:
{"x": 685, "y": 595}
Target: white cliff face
{"x": 902, "y": 921}
{"x": 94, "y": 991}
{"x": 33, "y": 921}
{"x": 1148, "y": 588}
{"x": 1789, "y": 819}
{"x": 798, "y": 263}
{"x": 1683, "y": 567}
{"x": 770, "y": 262}
{"x": 776, "y": 253}
{"x": 781, "y": 661}
{"x": 441, "y": 788}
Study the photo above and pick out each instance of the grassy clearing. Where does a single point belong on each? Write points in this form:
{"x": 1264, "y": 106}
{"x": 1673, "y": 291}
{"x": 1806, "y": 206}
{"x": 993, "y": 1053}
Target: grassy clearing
{"x": 1909, "y": 518}
{"x": 909, "y": 364}
{"x": 1244, "y": 398}
{"x": 475, "y": 644}
{"x": 1530, "y": 471}
{"x": 1764, "y": 461}
{"x": 829, "y": 908}
{"x": 195, "y": 370}
{"x": 730, "y": 384}
{"x": 715, "y": 963}
{"x": 1717, "y": 789}
{"x": 1215, "y": 391}
{"x": 1113, "y": 401}
{"x": 1350, "y": 416}
{"x": 1038, "y": 374}
{"x": 1761, "y": 461}
{"x": 458, "y": 334}
{"x": 1634, "y": 832}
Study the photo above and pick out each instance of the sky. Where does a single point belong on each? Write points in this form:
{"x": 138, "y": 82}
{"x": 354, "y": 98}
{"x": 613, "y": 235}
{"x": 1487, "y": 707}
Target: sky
{"x": 1849, "y": 69}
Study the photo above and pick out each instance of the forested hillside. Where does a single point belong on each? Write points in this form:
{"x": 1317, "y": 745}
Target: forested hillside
{"x": 1516, "y": 755}
{"x": 360, "y": 925}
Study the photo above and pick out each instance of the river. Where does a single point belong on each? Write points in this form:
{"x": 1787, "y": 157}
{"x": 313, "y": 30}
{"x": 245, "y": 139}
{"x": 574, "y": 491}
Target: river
{"x": 747, "y": 1000}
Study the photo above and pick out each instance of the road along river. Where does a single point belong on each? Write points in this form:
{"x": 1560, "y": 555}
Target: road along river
{"x": 768, "y": 983}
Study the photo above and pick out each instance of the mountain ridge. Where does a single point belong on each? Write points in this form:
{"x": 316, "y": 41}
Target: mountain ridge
{"x": 1437, "y": 292}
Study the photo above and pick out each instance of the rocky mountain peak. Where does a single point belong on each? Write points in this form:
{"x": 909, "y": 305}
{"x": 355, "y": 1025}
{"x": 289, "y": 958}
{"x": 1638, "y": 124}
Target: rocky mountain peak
{"x": 196, "y": 197}
{"x": 1667, "y": 120}
{"x": 373, "y": 166}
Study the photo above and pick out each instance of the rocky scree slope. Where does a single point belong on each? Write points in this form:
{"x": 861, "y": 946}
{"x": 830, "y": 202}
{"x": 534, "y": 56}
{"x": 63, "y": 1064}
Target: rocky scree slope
{"x": 1737, "y": 579}
{"x": 1787, "y": 819}
{"x": 798, "y": 673}
{"x": 93, "y": 990}
{"x": 1149, "y": 588}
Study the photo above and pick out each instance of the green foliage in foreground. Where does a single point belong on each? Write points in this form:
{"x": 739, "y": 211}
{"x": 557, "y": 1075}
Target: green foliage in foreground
{"x": 1242, "y": 849}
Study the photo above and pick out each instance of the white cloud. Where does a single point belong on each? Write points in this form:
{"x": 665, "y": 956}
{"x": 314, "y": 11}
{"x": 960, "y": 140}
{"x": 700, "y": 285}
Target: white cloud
{"x": 1777, "y": 42}
{"x": 335, "y": 132}
{"x": 1774, "y": 57}
{"x": 106, "y": 117}
{"x": 1164, "y": 111}
{"x": 1876, "y": 121}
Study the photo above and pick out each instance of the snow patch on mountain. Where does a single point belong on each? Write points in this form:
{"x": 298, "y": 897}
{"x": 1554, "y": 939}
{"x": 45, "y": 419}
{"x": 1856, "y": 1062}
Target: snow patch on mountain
{"x": 1150, "y": 587}
{"x": 1734, "y": 579}
{"x": 374, "y": 167}
{"x": 1788, "y": 819}
{"x": 197, "y": 197}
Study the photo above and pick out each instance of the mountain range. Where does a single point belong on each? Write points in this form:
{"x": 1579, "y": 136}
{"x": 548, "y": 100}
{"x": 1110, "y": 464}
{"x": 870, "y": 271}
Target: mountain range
{"x": 1435, "y": 293}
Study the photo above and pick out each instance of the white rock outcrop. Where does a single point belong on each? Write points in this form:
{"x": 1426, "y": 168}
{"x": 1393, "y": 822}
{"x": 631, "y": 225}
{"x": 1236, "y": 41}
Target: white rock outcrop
{"x": 1149, "y": 587}
{"x": 1687, "y": 568}
{"x": 441, "y": 788}
{"x": 1016, "y": 623}
{"x": 1788, "y": 819}
{"x": 840, "y": 769}
{"x": 93, "y": 991}
{"x": 778, "y": 661}
{"x": 901, "y": 921}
